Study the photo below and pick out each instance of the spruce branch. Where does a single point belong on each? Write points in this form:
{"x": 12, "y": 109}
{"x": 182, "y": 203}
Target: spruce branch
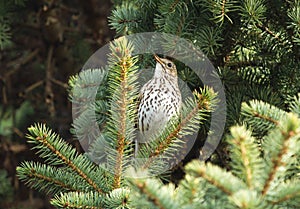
{"x": 167, "y": 19}
{"x": 287, "y": 193}
{"x": 247, "y": 199}
{"x": 246, "y": 161}
{"x": 264, "y": 117}
{"x": 268, "y": 31}
{"x": 209, "y": 40}
{"x": 48, "y": 179}
{"x": 190, "y": 192}
{"x": 153, "y": 194}
{"x": 123, "y": 85}
{"x": 125, "y": 19}
{"x": 193, "y": 113}
{"x": 214, "y": 175}
{"x": 221, "y": 9}
{"x": 57, "y": 152}
{"x": 118, "y": 198}
{"x": 261, "y": 116}
{"x": 294, "y": 105}
{"x": 283, "y": 139}
{"x": 75, "y": 200}
{"x": 253, "y": 11}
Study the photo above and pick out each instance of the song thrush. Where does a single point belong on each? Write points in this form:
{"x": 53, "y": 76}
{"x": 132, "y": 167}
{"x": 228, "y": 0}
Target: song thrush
{"x": 160, "y": 99}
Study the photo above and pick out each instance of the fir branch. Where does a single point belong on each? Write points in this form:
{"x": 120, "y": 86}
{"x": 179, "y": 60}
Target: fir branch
{"x": 294, "y": 105}
{"x": 84, "y": 86}
{"x": 125, "y": 18}
{"x": 163, "y": 144}
{"x": 214, "y": 175}
{"x": 289, "y": 193}
{"x": 117, "y": 198}
{"x": 220, "y": 9}
{"x": 209, "y": 39}
{"x": 155, "y": 193}
{"x": 268, "y": 31}
{"x": 193, "y": 113}
{"x": 261, "y": 116}
{"x": 280, "y": 40}
{"x": 75, "y": 200}
{"x": 189, "y": 189}
{"x": 168, "y": 20}
{"x": 48, "y": 178}
{"x": 294, "y": 24}
{"x": 56, "y": 151}
{"x": 246, "y": 161}
{"x": 253, "y": 10}
{"x": 121, "y": 136}
{"x": 180, "y": 26}
{"x": 123, "y": 88}
{"x": 277, "y": 162}
{"x": 283, "y": 139}
{"x": 247, "y": 199}
{"x": 172, "y": 135}
{"x": 224, "y": 12}
{"x": 265, "y": 117}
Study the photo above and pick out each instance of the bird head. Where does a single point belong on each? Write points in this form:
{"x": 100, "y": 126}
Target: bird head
{"x": 165, "y": 67}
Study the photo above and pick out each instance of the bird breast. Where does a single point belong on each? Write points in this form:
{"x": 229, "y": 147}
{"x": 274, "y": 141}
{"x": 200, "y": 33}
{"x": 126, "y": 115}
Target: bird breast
{"x": 160, "y": 101}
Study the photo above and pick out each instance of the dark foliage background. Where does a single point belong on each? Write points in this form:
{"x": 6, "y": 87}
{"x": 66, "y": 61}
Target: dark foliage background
{"x": 42, "y": 43}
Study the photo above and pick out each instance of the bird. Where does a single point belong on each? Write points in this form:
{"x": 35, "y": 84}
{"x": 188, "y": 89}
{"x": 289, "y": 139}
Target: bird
{"x": 160, "y": 100}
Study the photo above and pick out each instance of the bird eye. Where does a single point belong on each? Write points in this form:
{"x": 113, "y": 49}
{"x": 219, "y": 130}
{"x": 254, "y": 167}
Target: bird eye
{"x": 169, "y": 64}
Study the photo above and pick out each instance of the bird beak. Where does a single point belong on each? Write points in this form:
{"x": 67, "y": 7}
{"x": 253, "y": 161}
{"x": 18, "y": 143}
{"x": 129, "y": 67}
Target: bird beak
{"x": 157, "y": 58}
